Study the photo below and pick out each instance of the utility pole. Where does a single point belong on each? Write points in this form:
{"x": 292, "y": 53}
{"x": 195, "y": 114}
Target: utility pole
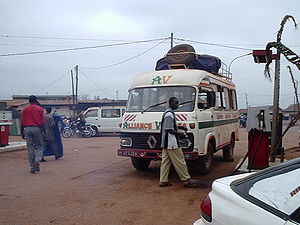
{"x": 172, "y": 40}
{"x": 246, "y": 100}
{"x": 117, "y": 95}
{"x": 275, "y": 117}
{"x": 73, "y": 95}
{"x": 76, "y": 86}
{"x": 296, "y": 97}
{"x": 294, "y": 106}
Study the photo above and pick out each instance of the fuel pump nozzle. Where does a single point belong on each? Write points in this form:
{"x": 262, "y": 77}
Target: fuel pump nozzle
{"x": 261, "y": 120}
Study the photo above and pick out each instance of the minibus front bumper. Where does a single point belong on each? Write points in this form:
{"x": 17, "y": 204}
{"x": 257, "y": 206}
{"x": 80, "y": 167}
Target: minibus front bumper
{"x": 152, "y": 154}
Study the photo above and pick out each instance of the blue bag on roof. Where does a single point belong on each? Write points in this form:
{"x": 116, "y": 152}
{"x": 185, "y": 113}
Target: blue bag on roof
{"x": 208, "y": 63}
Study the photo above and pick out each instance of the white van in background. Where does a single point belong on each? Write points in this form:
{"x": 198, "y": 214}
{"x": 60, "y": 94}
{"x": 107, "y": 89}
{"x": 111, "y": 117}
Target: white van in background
{"x": 105, "y": 119}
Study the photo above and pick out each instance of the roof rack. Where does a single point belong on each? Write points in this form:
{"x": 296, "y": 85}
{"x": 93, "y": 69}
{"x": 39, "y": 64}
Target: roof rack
{"x": 224, "y": 72}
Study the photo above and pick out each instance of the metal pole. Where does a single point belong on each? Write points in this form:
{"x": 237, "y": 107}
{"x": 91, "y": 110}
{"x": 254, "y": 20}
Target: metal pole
{"x": 275, "y": 118}
{"x": 229, "y": 67}
{"x": 294, "y": 106}
{"x": 76, "y": 86}
{"x": 172, "y": 39}
{"x": 296, "y": 97}
{"x": 246, "y": 101}
{"x": 73, "y": 95}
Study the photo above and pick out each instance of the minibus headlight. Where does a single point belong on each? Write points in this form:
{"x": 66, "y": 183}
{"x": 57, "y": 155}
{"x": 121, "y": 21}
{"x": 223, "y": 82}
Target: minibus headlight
{"x": 192, "y": 125}
{"x": 126, "y": 142}
{"x": 184, "y": 143}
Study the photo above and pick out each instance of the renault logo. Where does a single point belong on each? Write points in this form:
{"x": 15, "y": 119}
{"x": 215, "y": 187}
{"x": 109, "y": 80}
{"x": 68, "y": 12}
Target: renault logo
{"x": 152, "y": 141}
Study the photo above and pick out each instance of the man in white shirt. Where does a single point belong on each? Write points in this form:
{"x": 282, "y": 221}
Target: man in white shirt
{"x": 172, "y": 153}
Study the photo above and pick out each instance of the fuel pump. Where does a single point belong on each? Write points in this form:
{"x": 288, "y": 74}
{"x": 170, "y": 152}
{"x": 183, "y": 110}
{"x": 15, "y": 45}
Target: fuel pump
{"x": 259, "y": 132}
{"x": 5, "y": 121}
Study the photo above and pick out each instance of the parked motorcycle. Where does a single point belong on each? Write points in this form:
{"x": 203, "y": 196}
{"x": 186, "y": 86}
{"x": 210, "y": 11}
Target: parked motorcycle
{"x": 71, "y": 128}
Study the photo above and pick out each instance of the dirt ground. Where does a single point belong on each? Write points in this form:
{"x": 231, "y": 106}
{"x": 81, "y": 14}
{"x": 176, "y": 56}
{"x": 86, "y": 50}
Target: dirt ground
{"x": 92, "y": 185}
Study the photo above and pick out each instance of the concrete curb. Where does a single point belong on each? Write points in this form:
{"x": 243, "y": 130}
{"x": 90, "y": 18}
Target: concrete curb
{"x": 14, "y": 146}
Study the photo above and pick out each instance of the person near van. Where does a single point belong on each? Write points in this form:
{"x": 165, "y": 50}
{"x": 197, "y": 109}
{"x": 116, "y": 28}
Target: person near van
{"x": 32, "y": 129}
{"x": 82, "y": 121}
{"x": 171, "y": 152}
{"x": 49, "y": 140}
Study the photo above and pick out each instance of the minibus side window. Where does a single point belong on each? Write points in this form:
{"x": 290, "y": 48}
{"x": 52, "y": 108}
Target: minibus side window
{"x": 232, "y": 99}
{"x": 206, "y": 99}
{"x": 202, "y": 99}
{"x": 225, "y": 98}
{"x": 235, "y": 100}
{"x": 211, "y": 99}
{"x": 218, "y": 91}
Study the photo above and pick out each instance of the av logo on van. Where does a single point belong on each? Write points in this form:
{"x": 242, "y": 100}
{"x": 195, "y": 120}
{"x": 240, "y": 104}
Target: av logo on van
{"x": 161, "y": 79}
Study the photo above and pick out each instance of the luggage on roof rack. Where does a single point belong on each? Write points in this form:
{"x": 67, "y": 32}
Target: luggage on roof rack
{"x": 208, "y": 63}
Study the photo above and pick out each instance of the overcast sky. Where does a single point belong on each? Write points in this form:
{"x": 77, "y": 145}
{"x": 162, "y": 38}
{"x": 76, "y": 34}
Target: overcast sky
{"x": 32, "y": 25}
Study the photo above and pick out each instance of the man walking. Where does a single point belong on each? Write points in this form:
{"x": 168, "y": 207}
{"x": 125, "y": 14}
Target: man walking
{"x": 32, "y": 126}
{"x": 171, "y": 153}
{"x": 49, "y": 139}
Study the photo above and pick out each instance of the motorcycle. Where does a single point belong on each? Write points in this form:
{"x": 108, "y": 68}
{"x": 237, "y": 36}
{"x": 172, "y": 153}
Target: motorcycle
{"x": 71, "y": 128}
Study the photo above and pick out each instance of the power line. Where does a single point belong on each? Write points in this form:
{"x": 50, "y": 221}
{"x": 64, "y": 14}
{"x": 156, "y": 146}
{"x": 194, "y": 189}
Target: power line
{"x": 110, "y": 87}
{"x": 99, "y": 39}
{"x": 57, "y": 38}
{"x": 52, "y": 82}
{"x": 82, "y": 48}
{"x": 213, "y": 44}
{"x": 27, "y": 45}
{"x": 126, "y": 60}
{"x": 96, "y": 85}
{"x": 263, "y": 94}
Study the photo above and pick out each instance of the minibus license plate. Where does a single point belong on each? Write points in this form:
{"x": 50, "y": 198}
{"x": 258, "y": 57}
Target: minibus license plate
{"x": 130, "y": 153}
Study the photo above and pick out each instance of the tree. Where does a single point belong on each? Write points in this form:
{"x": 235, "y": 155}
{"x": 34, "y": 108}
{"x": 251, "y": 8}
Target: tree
{"x": 291, "y": 57}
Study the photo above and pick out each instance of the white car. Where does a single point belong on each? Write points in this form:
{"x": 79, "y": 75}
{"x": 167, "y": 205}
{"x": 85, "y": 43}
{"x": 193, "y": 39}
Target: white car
{"x": 271, "y": 196}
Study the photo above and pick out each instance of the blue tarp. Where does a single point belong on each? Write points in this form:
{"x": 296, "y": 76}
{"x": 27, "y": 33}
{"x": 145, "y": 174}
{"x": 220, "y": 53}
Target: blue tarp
{"x": 48, "y": 151}
{"x": 208, "y": 63}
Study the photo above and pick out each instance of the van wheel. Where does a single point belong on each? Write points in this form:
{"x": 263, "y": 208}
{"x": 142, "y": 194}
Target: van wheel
{"x": 94, "y": 131}
{"x": 204, "y": 163}
{"x": 186, "y": 57}
{"x": 228, "y": 150}
{"x": 140, "y": 164}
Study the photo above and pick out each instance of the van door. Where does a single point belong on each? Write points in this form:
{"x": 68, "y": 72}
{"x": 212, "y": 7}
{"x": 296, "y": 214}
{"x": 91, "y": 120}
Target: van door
{"x": 92, "y": 117}
{"x": 221, "y": 116}
{"x": 110, "y": 120}
{"x": 218, "y": 115}
{"x": 204, "y": 112}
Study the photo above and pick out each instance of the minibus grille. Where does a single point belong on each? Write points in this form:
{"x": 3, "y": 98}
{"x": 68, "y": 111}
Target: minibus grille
{"x": 151, "y": 141}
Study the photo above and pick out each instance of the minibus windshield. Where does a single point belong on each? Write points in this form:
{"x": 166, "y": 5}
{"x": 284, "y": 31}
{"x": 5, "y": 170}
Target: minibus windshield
{"x": 155, "y": 99}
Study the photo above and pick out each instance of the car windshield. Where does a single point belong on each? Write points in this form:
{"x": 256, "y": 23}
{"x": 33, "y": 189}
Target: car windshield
{"x": 275, "y": 189}
{"x": 155, "y": 99}
{"x": 280, "y": 191}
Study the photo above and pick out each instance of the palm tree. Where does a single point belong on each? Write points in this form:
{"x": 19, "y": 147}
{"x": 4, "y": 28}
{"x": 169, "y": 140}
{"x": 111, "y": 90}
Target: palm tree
{"x": 281, "y": 48}
{"x": 294, "y": 59}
